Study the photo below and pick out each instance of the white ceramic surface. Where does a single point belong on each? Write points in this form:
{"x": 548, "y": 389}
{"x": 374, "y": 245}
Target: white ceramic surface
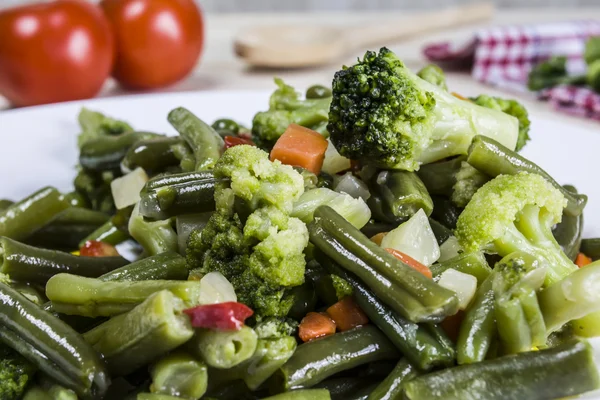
{"x": 38, "y": 144}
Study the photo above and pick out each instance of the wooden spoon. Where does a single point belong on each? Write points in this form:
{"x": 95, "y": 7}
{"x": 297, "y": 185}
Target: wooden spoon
{"x": 301, "y": 46}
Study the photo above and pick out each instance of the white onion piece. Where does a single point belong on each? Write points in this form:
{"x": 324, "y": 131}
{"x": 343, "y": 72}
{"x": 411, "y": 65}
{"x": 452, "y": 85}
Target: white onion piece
{"x": 414, "y": 238}
{"x": 464, "y": 285}
{"x": 353, "y": 186}
{"x": 449, "y": 249}
{"x": 334, "y": 162}
{"x": 126, "y": 189}
{"x": 215, "y": 288}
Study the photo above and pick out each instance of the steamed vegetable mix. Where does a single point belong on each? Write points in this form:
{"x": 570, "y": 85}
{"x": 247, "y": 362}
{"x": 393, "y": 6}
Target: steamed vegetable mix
{"x": 381, "y": 238}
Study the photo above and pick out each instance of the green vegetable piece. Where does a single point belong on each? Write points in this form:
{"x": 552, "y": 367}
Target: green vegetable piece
{"x": 568, "y": 232}
{"x": 402, "y": 193}
{"x": 494, "y": 159}
{"x": 318, "y": 92}
{"x": 226, "y": 127}
{"x": 21, "y": 219}
{"x": 562, "y": 371}
{"x": 434, "y": 75}
{"x": 138, "y": 337}
{"x": 107, "y": 233}
{"x": 307, "y": 394}
{"x": 51, "y": 345}
{"x": 31, "y": 264}
{"x": 353, "y": 210}
{"x": 592, "y": 50}
{"x": 153, "y": 155}
{"x": 155, "y": 237}
{"x": 305, "y": 300}
{"x": 106, "y": 153}
{"x": 95, "y": 125}
{"x": 224, "y": 349}
{"x": 15, "y": 373}
{"x": 179, "y": 375}
{"x": 205, "y": 142}
{"x": 391, "y": 387}
{"x": 164, "y": 266}
{"x": 593, "y": 75}
{"x": 316, "y": 360}
{"x": 405, "y": 290}
{"x": 5, "y": 203}
{"x": 76, "y": 295}
{"x": 516, "y": 213}
{"x": 591, "y": 248}
{"x": 550, "y": 73}
{"x": 383, "y": 114}
{"x": 156, "y": 396}
{"x": 94, "y": 187}
{"x": 470, "y": 263}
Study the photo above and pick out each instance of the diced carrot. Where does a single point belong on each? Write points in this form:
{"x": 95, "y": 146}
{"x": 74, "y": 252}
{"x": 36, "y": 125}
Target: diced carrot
{"x": 347, "y": 314}
{"x": 582, "y": 260}
{"x": 315, "y": 325}
{"x": 451, "y": 325}
{"x": 94, "y": 248}
{"x": 460, "y": 96}
{"x": 411, "y": 262}
{"x": 378, "y": 238}
{"x": 301, "y": 147}
{"x": 231, "y": 141}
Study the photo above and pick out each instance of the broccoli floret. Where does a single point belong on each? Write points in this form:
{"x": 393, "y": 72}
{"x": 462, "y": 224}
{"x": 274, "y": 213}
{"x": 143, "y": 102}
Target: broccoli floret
{"x": 94, "y": 124}
{"x": 510, "y": 107}
{"x": 273, "y": 328}
{"x": 15, "y": 373}
{"x": 341, "y": 286}
{"x": 434, "y": 75}
{"x": 258, "y": 181}
{"x": 382, "y": 113}
{"x": 552, "y": 72}
{"x": 468, "y": 181}
{"x": 516, "y": 213}
{"x": 285, "y": 108}
{"x": 262, "y": 256}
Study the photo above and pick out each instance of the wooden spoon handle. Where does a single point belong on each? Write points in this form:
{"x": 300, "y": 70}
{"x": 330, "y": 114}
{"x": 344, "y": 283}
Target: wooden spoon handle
{"x": 419, "y": 23}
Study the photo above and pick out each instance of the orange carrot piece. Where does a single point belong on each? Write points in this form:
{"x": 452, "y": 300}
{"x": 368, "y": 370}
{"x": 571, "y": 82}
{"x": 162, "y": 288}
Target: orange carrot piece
{"x": 451, "y": 325}
{"x": 302, "y": 147}
{"x": 378, "y": 238}
{"x": 582, "y": 260}
{"x": 315, "y": 325}
{"x": 411, "y": 262}
{"x": 347, "y": 314}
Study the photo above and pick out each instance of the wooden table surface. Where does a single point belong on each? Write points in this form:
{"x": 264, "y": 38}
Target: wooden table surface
{"x": 219, "y": 69}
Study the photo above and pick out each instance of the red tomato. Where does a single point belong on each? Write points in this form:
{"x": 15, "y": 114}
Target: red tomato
{"x": 158, "y": 41}
{"x": 95, "y": 248}
{"x": 57, "y": 51}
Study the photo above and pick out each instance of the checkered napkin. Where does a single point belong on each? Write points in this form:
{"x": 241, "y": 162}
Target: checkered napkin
{"x": 502, "y": 56}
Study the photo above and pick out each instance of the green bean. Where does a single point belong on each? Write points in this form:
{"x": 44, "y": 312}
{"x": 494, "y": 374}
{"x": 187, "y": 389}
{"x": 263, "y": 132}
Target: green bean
{"x": 155, "y": 237}
{"x": 445, "y": 211}
{"x": 176, "y": 179}
{"x": 591, "y": 248}
{"x": 76, "y": 199}
{"x": 316, "y": 360}
{"x": 107, "y": 233}
{"x": 478, "y": 329}
{"x": 306, "y": 394}
{"x": 194, "y": 196}
{"x": 318, "y": 92}
{"x": 163, "y": 266}
{"x": 380, "y": 212}
{"x": 156, "y": 396}
{"x": 363, "y": 393}
{"x": 31, "y": 264}
{"x": 440, "y": 177}
{"x": 138, "y": 337}
{"x": 184, "y": 154}
{"x": 324, "y": 180}
{"x": 415, "y": 342}
{"x": 21, "y": 219}
{"x": 305, "y": 300}
{"x": 470, "y": 263}
{"x": 76, "y": 295}
{"x": 180, "y": 375}
{"x": 344, "y": 387}
{"x": 5, "y": 203}
{"x": 34, "y": 293}
{"x": 152, "y": 155}
{"x": 562, "y": 371}
{"x": 68, "y": 228}
{"x": 568, "y": 232}
{"x": 391, "y": 387}
{"x": 223, "y": 349}
{"x": 50, "y": 344}
{"x": 405, "y": 290}
{"x": 493, "y": 159}
{"x": 226, "y": 127}
{"x": 54, "y": 391}
{"x": 402, "y": 193}
{"x": 440, "y": 231}
{"x": 373, "y": 227}
{"x": 204, "y": 141}
{"x": 105, "y": 153}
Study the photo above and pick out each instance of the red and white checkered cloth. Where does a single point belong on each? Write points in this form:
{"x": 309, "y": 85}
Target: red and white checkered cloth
{"x": 503, "y": 56}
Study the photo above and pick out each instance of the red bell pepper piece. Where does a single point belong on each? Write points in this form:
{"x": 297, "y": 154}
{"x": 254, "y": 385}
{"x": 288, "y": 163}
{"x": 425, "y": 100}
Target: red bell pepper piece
{"x": 222, "y": 316}
{"x": 231, "y": 141}
{"x": 95, "y": 248}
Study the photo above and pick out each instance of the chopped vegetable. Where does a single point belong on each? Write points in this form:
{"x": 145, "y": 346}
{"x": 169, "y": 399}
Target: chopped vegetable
{"x": 347, "y": 314}
{"x": 408, "y": 260}
{"x": 126, "y": 189}
{"x": 315, "y": 325}
{"x": 231, "y": 141}
{"x": 94, "y": 248}
{"x": 464, "y": 285}
{"x": 222, "y": 316}
{"x": 582, "y": 260}
{"x": 302, "y": 147}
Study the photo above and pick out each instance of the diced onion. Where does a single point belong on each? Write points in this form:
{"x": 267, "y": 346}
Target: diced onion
{"x": 414, "y": 238}
{"x": 353, "y": 186}
{"x": 215, "y": 288}
{"x": 449, "y": 249}
{"x": 334, "y": 162}
{"x": 126, "y": 189}
{"x": 464, "y": 285}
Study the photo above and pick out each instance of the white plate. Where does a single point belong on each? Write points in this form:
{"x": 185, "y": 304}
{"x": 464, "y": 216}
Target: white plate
{"x": 38, "y": 144}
